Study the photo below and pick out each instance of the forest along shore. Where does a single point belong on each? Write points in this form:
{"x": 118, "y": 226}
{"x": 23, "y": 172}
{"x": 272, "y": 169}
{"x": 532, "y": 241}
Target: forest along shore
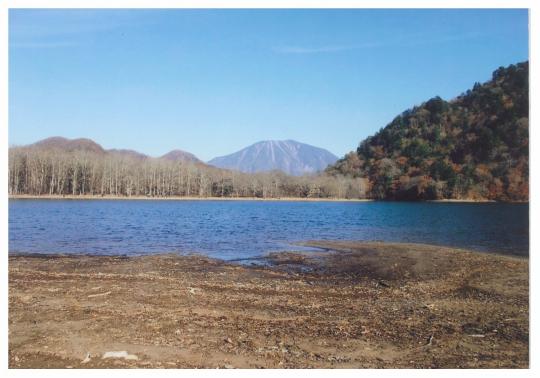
{"x": 357, "y": 305}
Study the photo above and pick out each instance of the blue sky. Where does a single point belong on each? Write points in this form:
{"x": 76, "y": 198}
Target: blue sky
{"x": 213, "y": 81}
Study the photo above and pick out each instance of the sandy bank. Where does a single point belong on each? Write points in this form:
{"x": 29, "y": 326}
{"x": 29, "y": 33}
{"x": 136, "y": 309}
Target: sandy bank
{"x": 365, "y": 305}
{"x": 186, "y": 198}
{"x": 190, "y": 198}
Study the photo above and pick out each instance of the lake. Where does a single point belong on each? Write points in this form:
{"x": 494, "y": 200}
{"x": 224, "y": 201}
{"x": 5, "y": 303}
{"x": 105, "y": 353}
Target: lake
{"x": 233, "y": 230}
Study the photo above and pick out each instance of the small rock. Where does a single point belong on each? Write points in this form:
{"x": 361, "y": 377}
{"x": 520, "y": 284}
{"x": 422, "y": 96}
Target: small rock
{"x": 381, "y": 283}
{"x": 228, "y": 340}
{"x": 99, "y": 295}
{"x": 228, "y": 367}
{"x": 120, "y": 354}
{"x": 86, "y": 359}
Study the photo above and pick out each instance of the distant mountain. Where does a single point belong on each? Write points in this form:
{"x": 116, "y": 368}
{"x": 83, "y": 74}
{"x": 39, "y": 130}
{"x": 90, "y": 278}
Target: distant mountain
{"x": 473, "y": 147}
{"x": 179, "y": 155}
{"x": 88, "y": 145}
{"x": 128, "y": 153}
{"x": 289, "y": 156}
{"x": 64, "y": 144}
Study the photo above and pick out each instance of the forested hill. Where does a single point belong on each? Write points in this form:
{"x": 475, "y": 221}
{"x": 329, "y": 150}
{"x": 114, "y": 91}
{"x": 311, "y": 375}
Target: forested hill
{"x": 473, "y": 147}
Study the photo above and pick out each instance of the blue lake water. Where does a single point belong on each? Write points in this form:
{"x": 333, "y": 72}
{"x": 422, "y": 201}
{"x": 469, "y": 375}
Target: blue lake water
{"x": 245, "y": 229}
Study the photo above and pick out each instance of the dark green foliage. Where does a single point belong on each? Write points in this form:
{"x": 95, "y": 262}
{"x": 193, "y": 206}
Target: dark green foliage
{"x": 475, "y": 146}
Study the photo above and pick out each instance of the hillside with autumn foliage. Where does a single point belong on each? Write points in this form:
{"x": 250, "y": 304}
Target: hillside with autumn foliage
{"x": 473, "y": 147}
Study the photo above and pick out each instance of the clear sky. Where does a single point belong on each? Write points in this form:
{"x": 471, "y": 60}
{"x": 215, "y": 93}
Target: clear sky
{"x": 214, "y": 81}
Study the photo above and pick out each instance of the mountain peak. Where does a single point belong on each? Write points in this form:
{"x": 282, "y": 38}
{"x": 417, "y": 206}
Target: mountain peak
{"x": 289, "y": 156}
{"x": 179, "y": 155}
{"x": 61, "y": 143}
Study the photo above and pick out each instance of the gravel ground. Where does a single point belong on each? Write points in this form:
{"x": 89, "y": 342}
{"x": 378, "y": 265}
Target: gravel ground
{"x": 356, "y": 305}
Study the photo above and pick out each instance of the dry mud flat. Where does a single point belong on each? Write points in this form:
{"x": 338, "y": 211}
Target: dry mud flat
{"x": 364, "y": 305}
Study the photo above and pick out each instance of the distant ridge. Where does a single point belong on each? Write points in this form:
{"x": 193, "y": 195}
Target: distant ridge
{"x": 61, "y": 143}
{"x": 128, "y": 153}
{"x": 288, "y": 156}
{"x": 179, "y": 155}
{"x": 88, "y": 145}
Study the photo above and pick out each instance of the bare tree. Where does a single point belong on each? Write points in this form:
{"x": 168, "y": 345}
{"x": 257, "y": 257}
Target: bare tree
{"x": 39, "y": 171}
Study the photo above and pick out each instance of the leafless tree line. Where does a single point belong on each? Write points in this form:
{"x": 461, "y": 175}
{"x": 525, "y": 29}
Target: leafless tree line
{"x": 36, "y": 171}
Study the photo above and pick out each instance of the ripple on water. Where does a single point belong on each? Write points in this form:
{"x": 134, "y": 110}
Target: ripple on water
{"x": 250, "y": 229}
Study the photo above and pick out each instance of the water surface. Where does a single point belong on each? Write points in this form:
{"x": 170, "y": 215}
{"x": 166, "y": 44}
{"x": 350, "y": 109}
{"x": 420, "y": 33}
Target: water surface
{"x": 245, "y": 229}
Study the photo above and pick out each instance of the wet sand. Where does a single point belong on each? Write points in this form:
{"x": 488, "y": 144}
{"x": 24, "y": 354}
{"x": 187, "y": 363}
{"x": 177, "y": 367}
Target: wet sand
{"x": 357, "y": 305}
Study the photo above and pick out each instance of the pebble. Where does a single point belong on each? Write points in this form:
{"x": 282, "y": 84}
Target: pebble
{"x": 120, "y": 354}
{"x": 86, "y": 359}
{"x": 99, "y": 295}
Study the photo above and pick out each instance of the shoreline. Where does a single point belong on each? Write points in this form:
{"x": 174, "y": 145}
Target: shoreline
{"x": 281, "y": 199}
{"x": 184, "y": 198}
{"x": 355, "y": 305}
{"x": 450, "y": 200}
{"x": 325, "y": 245}
{"x": 317, "y": 245}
